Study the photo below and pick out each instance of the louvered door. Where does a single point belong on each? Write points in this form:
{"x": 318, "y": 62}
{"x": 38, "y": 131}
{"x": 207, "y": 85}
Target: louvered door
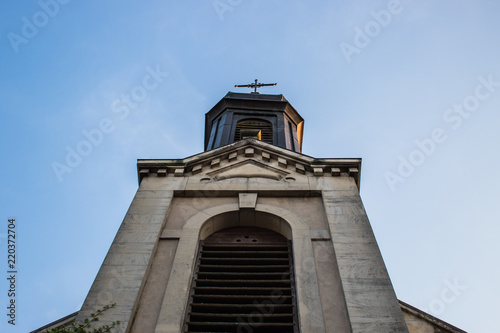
{"x": 243, "y": 283}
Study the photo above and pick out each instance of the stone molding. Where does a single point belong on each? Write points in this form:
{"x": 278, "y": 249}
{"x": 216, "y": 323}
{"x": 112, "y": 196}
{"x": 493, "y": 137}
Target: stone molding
{"x": 260, "y": 153}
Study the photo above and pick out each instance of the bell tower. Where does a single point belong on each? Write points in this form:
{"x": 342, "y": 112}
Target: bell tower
{"x": 250, "y": 235}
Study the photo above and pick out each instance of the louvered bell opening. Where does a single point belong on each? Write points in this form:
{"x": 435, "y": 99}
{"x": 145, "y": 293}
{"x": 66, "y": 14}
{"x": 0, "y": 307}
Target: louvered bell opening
{"x": 243, "y": 287}
{"x": 254, "y": 128}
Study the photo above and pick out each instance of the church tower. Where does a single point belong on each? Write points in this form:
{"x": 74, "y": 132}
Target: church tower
{"x": 250, "y": 235}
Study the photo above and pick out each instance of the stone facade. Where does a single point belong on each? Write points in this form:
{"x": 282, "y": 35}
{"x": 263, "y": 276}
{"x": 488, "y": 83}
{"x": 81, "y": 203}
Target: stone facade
{"x": 341, "y": 282}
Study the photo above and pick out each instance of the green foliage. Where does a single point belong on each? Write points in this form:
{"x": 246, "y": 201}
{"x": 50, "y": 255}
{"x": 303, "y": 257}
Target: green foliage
{"x": 85, "y": 327}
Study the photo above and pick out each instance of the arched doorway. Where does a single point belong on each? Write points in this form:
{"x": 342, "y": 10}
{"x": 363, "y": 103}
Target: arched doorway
{"x": 243, "y": 282}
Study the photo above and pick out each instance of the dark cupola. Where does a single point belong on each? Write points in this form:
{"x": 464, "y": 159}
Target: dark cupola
{"x": 269, "y": 118}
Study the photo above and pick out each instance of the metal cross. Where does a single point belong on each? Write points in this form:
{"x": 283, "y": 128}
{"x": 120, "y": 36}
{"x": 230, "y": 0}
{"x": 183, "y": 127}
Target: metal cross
{"x": 255, "y": 85}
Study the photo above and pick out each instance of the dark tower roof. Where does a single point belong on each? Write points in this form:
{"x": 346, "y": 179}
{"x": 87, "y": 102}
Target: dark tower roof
{"x": 271, "y": 118}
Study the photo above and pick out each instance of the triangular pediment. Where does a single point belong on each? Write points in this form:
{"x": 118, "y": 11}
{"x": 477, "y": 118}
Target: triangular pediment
{"x": 258, "y": 147}
{"x": 248, "y": 169}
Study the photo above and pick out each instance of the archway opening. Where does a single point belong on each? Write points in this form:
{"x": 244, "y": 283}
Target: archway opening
{"x": 243, "y": 282}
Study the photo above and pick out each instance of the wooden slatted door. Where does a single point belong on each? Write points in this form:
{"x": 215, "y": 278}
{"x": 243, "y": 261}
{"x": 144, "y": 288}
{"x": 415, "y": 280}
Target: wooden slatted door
{"x": 243, "y": 283}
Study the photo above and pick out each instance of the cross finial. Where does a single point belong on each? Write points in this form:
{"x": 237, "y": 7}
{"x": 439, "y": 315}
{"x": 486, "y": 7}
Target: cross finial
{"x": 255, "y": 85}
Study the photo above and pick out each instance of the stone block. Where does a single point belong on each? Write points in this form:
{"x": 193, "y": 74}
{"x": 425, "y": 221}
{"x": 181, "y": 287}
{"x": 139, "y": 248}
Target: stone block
{"x": 163, "y": 183}
{"x": 353, "y": 172}
{"x": 143, "y": 173}
{"x": 171, "y": 234}
{"x": 268, "y": 221}
{"x": 232, "y": 156}
{"x": 132, "y": 254}
{"x": 318, "y": 172}
{"x": 282, "y": 162}
{"x": 140, "y": 236}
{"x": 320, "y": 234}
{"x": 142, "y": 223}
{"x": 224, "y": 221}
{"x": 229, "y": 185}
{"x": 333, "y": 183}
{"x": 247, "y": 200}
{"x": 153, "y": 194}
{"x": 197, "y": 169}
{"x": 215, "y": 163}
{"x": 300, "y": 168}
{"x": 266, "y": 156}
{"x": 335, "y": 172}
{"x": 149, "y": 206}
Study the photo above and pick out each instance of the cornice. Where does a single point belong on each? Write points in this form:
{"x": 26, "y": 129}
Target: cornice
{"x": 251, "y": 149}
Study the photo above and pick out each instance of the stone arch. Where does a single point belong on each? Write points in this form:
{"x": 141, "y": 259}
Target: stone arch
{"x": 203, "y": 223}
{"x": 271, "y": 217}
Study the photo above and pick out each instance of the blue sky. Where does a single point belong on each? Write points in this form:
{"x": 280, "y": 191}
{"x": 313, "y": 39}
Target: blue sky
{"x": 411, "y": 87}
